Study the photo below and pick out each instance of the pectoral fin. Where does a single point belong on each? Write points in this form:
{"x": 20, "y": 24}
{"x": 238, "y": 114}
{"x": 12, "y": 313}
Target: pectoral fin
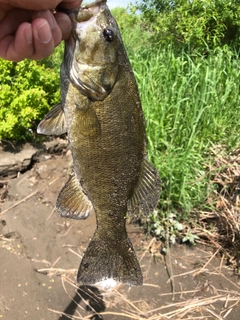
{"x": 88, "y": 124}
{"x": 146, "y": 193}
{"x": 54, "y": 123}
{"x": 72, "y": 202}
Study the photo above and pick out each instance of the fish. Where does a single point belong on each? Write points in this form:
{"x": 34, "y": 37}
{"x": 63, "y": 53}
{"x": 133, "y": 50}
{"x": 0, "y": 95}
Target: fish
{"x": 101, "y": 112}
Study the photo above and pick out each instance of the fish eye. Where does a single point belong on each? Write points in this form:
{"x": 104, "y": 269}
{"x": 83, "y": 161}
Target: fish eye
{"x": 108, "y": 35}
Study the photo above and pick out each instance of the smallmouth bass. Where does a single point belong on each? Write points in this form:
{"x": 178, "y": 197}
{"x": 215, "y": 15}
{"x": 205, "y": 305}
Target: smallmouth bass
{"x": 101, "y": 111}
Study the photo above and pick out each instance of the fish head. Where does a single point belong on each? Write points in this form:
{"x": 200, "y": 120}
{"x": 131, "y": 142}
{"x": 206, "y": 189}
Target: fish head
{"x": 95, "y": 63}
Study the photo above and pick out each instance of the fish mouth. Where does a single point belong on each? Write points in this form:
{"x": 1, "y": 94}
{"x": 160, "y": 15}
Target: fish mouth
{"x": 96, "y": 3}
{"x": 89, "y": 13}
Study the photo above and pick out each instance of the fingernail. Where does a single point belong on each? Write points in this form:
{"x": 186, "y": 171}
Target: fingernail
{"x": 44, "y": 32}
{"x": 48, "y": 16}
{"x": 28, "y": 33}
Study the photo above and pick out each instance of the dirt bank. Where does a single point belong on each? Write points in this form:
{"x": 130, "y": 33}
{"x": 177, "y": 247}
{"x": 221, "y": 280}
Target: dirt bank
{"x": 40, "y": 254}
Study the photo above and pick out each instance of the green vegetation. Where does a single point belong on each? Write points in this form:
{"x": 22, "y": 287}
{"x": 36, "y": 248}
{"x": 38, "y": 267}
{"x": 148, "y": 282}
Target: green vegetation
{"x": 191, "y": 105}
{"x": 132, "y": 29}
{"x": 27, "y": 91}
{"x": 185, "y": 58}
{"x": 198, "y": 25}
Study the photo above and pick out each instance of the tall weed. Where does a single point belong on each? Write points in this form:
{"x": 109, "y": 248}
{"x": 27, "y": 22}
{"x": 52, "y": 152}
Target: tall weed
{"x": 190, "y": 105}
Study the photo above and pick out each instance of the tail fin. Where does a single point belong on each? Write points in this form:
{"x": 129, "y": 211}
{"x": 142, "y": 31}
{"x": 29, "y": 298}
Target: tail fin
{"x": 105, "y": 260}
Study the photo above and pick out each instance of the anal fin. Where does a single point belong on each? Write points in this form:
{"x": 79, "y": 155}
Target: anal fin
{"x": 54, "y": 123}
{"x": 146, "y": 193}
{"x": 72, "y": 202}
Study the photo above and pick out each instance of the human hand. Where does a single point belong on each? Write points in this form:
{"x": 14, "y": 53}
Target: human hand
{"x": 29, "y": 28}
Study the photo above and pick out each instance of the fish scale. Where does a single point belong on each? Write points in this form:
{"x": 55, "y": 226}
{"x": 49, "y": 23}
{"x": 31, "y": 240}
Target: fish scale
{"x": 102, "y": 114}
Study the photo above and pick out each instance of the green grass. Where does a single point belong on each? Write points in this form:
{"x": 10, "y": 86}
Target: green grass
{"x": 190, "y": 106}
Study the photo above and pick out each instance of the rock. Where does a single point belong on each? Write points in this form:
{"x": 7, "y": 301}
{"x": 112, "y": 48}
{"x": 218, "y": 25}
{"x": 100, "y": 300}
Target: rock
{"x": 21, "y": 158}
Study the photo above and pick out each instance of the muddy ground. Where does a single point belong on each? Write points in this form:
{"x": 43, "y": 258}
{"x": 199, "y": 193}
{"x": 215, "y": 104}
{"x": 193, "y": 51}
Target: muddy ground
{"x": 40, "y": 254}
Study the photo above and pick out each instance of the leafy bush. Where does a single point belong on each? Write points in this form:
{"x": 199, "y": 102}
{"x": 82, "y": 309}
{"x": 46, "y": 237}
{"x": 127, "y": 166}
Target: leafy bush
{"x": 192, "y": 25}
{"x": 28, "y": 89}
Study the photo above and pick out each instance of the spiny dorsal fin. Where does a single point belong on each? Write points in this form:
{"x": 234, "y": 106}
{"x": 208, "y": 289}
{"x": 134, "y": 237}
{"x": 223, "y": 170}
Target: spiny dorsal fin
{"x": 54, "y": 122}
{"x": 72, "y": 202}
{"x": 146, "y": 194}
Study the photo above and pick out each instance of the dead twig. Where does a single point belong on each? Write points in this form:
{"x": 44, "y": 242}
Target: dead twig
{"x": 19, "y": 202}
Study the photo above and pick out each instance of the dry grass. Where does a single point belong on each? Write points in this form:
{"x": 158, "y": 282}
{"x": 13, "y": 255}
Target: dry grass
{"x": 190, "y": 305}
{"x": 220, "y": 227}
{"x": 206, "y": 300}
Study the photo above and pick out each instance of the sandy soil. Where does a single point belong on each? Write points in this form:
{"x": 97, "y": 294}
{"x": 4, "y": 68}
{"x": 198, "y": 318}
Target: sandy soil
{"x": 40, "y": 254}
